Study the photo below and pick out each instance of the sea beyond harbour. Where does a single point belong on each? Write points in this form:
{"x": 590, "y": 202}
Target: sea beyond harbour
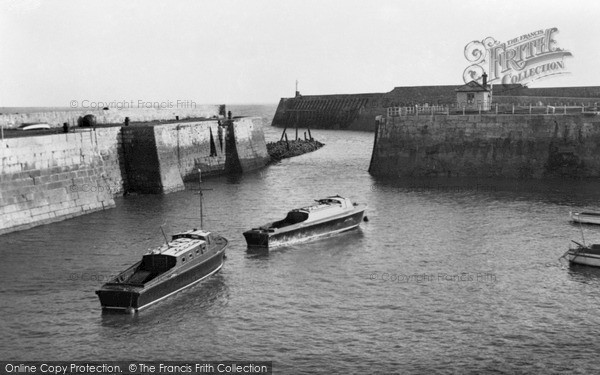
{"x": 447, "y": 275}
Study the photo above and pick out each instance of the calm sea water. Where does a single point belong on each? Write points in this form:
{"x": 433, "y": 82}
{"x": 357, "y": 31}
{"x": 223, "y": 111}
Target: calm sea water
{"x": 446, "y": 276}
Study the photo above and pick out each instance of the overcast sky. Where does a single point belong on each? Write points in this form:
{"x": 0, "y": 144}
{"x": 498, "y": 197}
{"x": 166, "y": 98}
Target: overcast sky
{"x": 52, "y": 52}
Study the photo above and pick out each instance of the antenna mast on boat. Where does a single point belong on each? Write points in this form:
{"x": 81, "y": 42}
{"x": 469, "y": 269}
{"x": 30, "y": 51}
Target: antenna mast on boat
{"x": 201, "y": 199}
{"x": 200, "y": 188}
{"x": 582, "y": 237}
{"x": 165, "y": 236}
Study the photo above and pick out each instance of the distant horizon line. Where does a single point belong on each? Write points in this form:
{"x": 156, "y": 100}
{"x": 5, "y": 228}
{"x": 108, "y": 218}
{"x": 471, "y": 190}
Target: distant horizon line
{"x": 111, "y": 108}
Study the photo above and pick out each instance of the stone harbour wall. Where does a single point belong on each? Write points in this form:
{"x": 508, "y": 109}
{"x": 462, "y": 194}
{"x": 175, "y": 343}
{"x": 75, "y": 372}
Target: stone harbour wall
{"x": 52, "y": 177}
{"x": 248, "y": 142}
{"x": 158, "y": 159}
{"x": 348, "y": 112}
{"x": 109, "y": 116}
{"x": 513, "y": 146}
{"x": 358, "y": 111}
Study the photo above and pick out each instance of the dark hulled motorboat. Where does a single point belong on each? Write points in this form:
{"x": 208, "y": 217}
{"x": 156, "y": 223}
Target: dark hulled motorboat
{"x": 327, "y": 216}
{"x": 189, "y": 258}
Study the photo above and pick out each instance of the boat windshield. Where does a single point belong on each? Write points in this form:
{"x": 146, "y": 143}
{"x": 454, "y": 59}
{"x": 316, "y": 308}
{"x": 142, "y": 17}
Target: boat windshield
{"x": 293, "y": 217}
{"x": 151, "y": 266}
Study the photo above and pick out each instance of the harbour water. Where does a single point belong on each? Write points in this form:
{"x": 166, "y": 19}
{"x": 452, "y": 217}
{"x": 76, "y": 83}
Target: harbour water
{"x": 446, "y": 276}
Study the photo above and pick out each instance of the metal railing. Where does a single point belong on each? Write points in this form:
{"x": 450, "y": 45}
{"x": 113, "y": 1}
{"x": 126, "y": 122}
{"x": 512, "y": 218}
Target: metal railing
{"x": 497, "y": 108}
{"x": 417, "y": 110}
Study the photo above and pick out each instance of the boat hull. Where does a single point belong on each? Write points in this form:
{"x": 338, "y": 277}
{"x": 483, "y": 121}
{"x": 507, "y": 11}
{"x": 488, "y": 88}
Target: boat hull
{"x": 583, "y": 257}
{"x": 303, "y": 232}
{"x": 124, "y": 296}
{"x": 585, "y": 217}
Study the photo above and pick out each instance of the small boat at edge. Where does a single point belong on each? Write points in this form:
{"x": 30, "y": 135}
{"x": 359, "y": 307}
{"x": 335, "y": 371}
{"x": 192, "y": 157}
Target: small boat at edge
{"x": 585, "y": 217}
{"x": 327, "y": 216}
{"x": 587, "y": 255}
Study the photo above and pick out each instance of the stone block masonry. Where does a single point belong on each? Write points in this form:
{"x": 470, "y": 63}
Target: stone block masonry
{"x": 51, "y": 177}
{"x": 158, "y": 159}
{"x": 512, "y": 146}
{"x": 247, "y": 141}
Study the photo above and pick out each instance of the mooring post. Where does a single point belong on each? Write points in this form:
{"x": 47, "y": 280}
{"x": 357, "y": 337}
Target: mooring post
{"x": 296, "y": 132}
{"x": 287, "y": 143}
{"x": 309, "y": 135}
{"x": 283, "y": 133}
{"x": 305, "y": 137}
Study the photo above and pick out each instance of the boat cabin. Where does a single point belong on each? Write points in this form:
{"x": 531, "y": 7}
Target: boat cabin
{"x": 343, "y": 202}
{"x": 183, "y": 248}
{"x": 325, "y": 207}
{"x": 195, "y": 234}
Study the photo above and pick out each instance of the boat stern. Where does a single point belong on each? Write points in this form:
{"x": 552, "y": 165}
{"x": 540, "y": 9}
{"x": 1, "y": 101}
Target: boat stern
{"x": 258, "y": 237}
{"x": 118, "y": 298}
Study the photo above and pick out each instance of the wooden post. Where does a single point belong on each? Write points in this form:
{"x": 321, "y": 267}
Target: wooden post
{"x": 296, "y": 123}
{"x": 283, "y": 133}
{"x": 287, "y": 143}
{"x": 309, "y": 135}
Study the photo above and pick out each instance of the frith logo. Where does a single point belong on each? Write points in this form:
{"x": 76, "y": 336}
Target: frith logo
{"x": 518, "y": 61}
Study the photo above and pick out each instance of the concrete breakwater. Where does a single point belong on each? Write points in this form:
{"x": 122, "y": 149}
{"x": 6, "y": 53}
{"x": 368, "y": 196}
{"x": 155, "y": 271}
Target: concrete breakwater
{"x": 358, "y": 111}
{"x": 52, "y": 177}
{"x": 513, "y": 146}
